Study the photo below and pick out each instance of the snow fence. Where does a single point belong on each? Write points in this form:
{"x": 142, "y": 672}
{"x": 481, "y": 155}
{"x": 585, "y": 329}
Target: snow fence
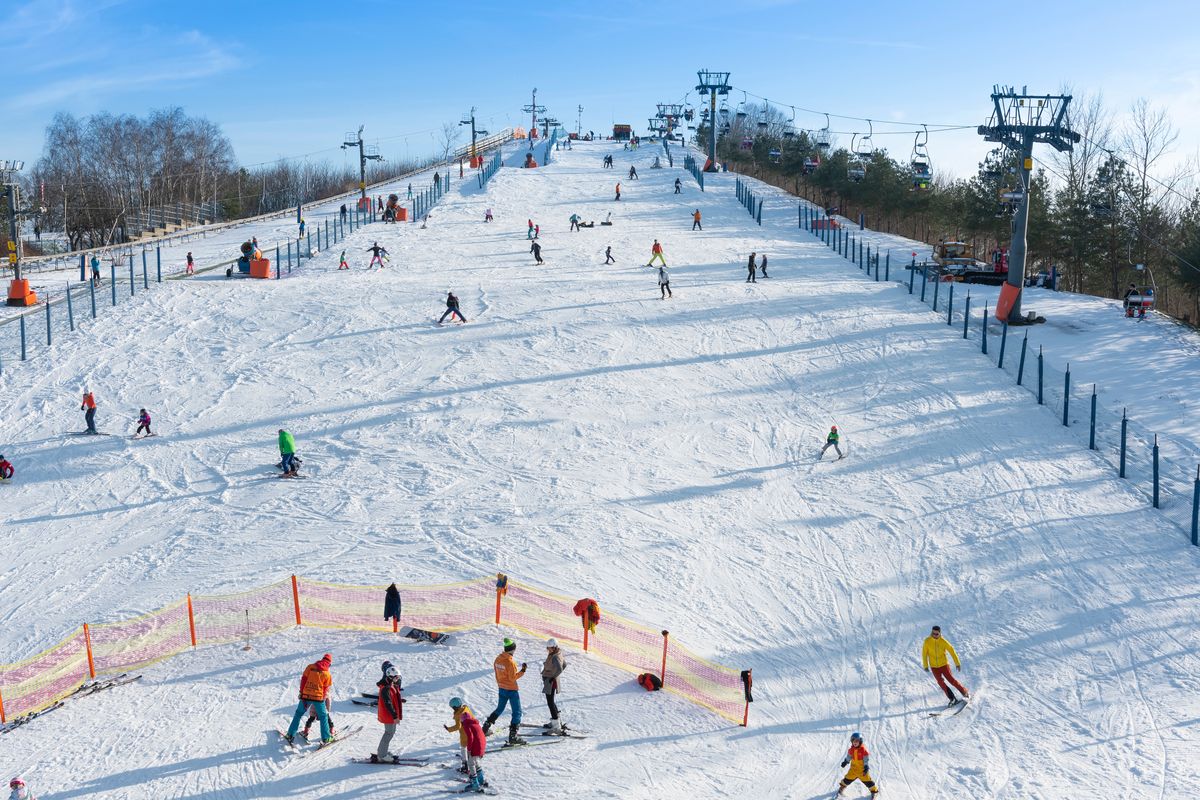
{"x": 96, "y": 651}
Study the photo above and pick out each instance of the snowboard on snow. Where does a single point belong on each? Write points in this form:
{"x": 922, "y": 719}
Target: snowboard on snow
{"x": 422, "y": 635}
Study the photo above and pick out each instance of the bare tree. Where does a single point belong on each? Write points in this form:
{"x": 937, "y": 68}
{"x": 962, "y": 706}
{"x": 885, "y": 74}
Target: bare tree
{"x": 448, "y": 138}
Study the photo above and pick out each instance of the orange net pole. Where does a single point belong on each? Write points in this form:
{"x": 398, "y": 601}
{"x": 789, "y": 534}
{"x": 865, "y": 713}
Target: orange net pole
{"x": 191, "y": 619}
{"x": 395, "y": 624}
{"x": 87, "y": 640}
{"x": 296, "y": 597}
{"x": 585, "y": 633}
{"x": 2, "y": 717}
{"x": 663, "y": 675}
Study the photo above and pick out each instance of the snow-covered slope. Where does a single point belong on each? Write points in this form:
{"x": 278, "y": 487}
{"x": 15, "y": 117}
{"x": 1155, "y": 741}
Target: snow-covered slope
{"x": 583, "y": 434}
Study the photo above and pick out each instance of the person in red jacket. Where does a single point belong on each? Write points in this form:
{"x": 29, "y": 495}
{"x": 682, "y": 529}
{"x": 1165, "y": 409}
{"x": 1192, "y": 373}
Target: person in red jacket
{"x": 858, "y": 760}
{"x": 390, "y": 711}
{"x": 6, "y": 469}
{"x": 314, "y": 686}
{"x": 476, "y": 747}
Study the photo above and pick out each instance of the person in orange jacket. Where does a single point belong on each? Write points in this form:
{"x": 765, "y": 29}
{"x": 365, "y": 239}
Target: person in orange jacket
{"x": 857, "y": 758}
{"x": 314, "y": 686}
{"x": 88, "y": 406}
{"x": 618, "y": 191}
{"x": 507, "y": 676}
{"x": 390, "y": 711}
{"x": 656, "y": 251}
{"x": 696, "y": 220}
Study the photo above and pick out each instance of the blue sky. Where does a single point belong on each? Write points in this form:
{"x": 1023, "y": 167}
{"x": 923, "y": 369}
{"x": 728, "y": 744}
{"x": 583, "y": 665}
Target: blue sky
{"x": 288, "y": 79}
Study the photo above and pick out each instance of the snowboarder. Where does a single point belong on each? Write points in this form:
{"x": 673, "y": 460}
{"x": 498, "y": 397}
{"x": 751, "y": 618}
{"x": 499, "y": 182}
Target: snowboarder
{"x": 656, "y": 251}
{"x": 6, "y": 469}
{"x": 529, "y": 233}
{"x": 536, "y": 249}
{"x": 696, "y": 220}
{"x": 191, "y": 264}
{"x": 608, "y": 259}
{"x": 476, "y": 747}
{"x": 390, "y": 711}
{"x": 377, "y": 254}
{"x": 314, "y": 686}
{"x": 507, "y": 676}
{"x": 678, "y": 186}
{"x": 487, "y": 215}
{"x": 831, "y": 441}
{"x": 664, "y": 283}
{"x": 461, "y": 708}
{"x": 452, "y": 308}
{"x": 88, "y": 406}
{"x": 574, "y": 222}
{"x": 762, "y": 266}
{"x": 551, "y": 669}
{"x": 96, "y": 270}
{"x": 287, "y": 451}
{"x": 750, "y": 278}
{"x": 858, "y": 759}
{"x": 143, "y": 422}
{"x": 19, "y": 790}
{"x": 342, "y": 263}
{"x": 633, "y": 176}
{"x": 618, "y": 190}
{"x": 933, "y": 656}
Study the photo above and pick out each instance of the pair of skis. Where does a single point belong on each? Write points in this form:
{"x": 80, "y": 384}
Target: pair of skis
{"x": 89, "y": 687}
{"x": 340, "y": 736}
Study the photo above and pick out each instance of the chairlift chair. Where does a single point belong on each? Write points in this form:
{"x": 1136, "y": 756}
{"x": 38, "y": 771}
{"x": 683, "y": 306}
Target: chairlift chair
{"x": 824, "y": 137}
{"x": 811, "y": 163}
{"x": 922, "y": 168}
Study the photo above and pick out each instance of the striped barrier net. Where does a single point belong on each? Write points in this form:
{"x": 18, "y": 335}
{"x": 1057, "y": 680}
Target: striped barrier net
{"x": 99, "y": 650}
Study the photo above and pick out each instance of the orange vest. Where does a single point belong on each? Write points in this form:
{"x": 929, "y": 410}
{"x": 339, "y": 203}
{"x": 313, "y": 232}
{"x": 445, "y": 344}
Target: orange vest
{"x": 506, "y": 672}
{"x": 315, "y": 683}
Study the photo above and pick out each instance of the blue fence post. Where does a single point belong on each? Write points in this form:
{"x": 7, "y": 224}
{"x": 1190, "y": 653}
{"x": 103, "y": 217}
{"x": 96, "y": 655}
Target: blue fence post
{"x": 21, "y": 319}
{"x": 1092, "y": 429}
{"x": 131, "y": 283}
{"x": 145, "y": 272}
{"x": 1154, "y": 452}
{"x": 924, "y": 281}
{"x": 1067, "y": 396}
{"x": 912, "y": 277}
{"x": 49, "y": 337}
{"x": 759, "y": 217}
{"x": 983, "y": 329}
{"x": 1021, "y": 365}
{"x": 1041, "y": 396}
{"x": 158, "y": 262}
{"x": 966, "y": 314}
{"x": 327, "y": 232}
{"x": 1003, "y": 342}
{"x": 936, "y": 288}
{"x": 276, "y": 260}
{"x": 950, "y": 307}
{"x": 92, "y": 291}
{"x": 1196, "y": 510}
{"x": 887, "y": 266}
{"x": 82, "y": 268}
{"x": 70, "y": 309}
{"x": 308, "y": 244}
{"x": 1124, "y": 436}
{"x": 289, "y": 255}
{"x": 114, "y": 282}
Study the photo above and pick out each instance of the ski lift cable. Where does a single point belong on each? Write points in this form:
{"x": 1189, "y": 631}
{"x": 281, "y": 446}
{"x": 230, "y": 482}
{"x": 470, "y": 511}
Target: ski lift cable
{"x": 1113, "y": 155}
{"x": 939, "y": 126}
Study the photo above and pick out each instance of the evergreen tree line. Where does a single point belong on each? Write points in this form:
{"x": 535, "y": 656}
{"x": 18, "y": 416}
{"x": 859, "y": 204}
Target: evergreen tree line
{"x": 1112, "y": 203}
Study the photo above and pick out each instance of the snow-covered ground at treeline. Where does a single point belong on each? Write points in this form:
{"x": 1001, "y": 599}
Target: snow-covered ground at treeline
{"x": 583, "y": 434}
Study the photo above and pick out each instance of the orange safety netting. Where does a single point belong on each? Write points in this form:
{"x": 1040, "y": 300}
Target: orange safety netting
{"x": 110, "y": 648}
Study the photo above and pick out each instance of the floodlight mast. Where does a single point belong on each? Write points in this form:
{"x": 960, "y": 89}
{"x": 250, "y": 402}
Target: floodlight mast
{"x": 714, "y": 83}
{"x": 1020, "y": 120}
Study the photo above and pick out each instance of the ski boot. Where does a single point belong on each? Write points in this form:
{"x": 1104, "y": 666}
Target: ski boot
{"x": 487, "y": 725}
{"x": 953, "y": 702}
{"x": 513, "y": 736}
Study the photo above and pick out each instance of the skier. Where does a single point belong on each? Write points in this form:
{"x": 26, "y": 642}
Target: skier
{"x": 96, "y": 270}
{"x": 302, "y": 225}
{"x": 476, "y": 747}
{"x": 314, "y": 686}
{"x": 460, "y": 709}
{"x": 696, "y": 220}
{"x": 618, "y": 190}
{"x": 551, "y": 669}
{"x": 678, "y": 186}
{"x": 487, "y": 215}
{"x": 88, "y": 406}
{"x": 342, "y": 212}
{"x": 452, "y": 308}
{"x": 574, "y": 222}
{"x": 529, "y": 233}
{"x": 410, "y": 191}
{"x": 19, "y": 790}
{"x": 6, "y": 469}
{"x": 377, "y": 254}
{"x": 750, "y": 266}
{"x": 390, "y": 711}
{"x": 633, "y": 176}
{"x": 507, "y": 676}
{"x": 858, "y": 759}
{"x": 664, "y": 283}
{"x": 287, "y": 451}
{"x": 342, "y": 263}
{"x": 143, "y": 422}
{"x": 191, "y": 265}
{"x": 831, "y": 441}
{"x": 762, "y": 266}
{"x": 536, "y": 249}
{"x": 537, "y": 231}
{"x": 608, "y": 259}
{"x": 656, "y": 251}
{"x": 933, "y": 656}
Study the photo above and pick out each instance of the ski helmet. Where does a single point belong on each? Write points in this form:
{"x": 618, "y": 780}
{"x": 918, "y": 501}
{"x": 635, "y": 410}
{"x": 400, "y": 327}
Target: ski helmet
{"x": 856, "y": 737}
{"x": 15, "y": 782}
{"x": 456, "y": 702}
{"x": 391, "y": 672}
{"x": 833, "y": 427}
{"x": 551, "y": 644}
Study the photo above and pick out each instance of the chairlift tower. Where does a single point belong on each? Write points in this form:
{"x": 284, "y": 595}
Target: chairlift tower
{"x": 469, "y": 119}
{"x": 1019, "y": 121}
{"x": 714, "y": 83}
{"x": 579, "y": 122}
{"x": 534, "y": 109}
{"x": 19, "y": 293}
{"x": 365, "y": 153}
{"x": 670, "y": 114}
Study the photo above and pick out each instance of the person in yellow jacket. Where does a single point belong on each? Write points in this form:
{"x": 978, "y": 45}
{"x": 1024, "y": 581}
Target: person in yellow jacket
{"x": 933, "y": 656}
{"x": 857, "y": 759}
{"x": 460, "y": 708}
{"x": 507, "y": 676}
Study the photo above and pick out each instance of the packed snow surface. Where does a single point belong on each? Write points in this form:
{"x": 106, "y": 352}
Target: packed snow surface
{"x": 582, "y": 434}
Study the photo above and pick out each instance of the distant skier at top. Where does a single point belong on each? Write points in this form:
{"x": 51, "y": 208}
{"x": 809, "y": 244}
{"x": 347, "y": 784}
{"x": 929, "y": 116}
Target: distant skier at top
{"x": 96, "y": 270}
{"x": 831, "y": 441}
{"x": 377, "y": 254}
{"x": 933, "y": 657}
{"x": 88, "y": 406}
{"x": 314, "y": 685}
{"x": 19, "y": 790}
{"x": 452, "y": 307}
{"x": 858, "y": 760}
{"x": 302, "y": 226}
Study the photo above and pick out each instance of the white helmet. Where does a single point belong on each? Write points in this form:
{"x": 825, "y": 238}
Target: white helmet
{"x": 391, "y": 672}
{"x": 551, "y": 644}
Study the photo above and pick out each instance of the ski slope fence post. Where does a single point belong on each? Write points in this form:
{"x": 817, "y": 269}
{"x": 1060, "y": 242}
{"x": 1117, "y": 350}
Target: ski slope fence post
{"x": 887, "y": 266}
{"x": 22, "y": 326}
{"x": 276, "y": 261}
{"x": 1021, "y": 365}
{"x": 966, "y": 315}
{"x": 289, "y": 255}
{"x": 662, "y": 676}
{"x": 191, "y": 619}
{"x": 1092, "y": 426}
{"x": 145, "y": 272}
{"x": 87, "y": 639}
{"x": 3, "y": 718}
{"x": 92, "y": 292}
{"x": 758, "y": 218}
{"x": 1196, "y": 510}
{"x": 747, "y": 681}
{"x": 296, "y": 598}
{"x": 308, "y": 245}
{"x": 1154, "y": 456}
{"x": 501, "y": 590}
{"x": 1003, "y": 342}
{"x": 1041, "y": 370}
{"x": 113, "y": 275}
{"x": 70, "y": 309}
{"x": 924, "y": 281}
{"x": 82, "y": 267}
{"x": 49, "y": 335}
{"x": 1067, "y": 396}
{"x": 912, "y": 277}
{"x": 983, "y": 330}
{"x": 131, "y": 285}
{"x": 158, "y": 262}
{"x": 936, "y": 288}
{"x": 1124, "y": 436}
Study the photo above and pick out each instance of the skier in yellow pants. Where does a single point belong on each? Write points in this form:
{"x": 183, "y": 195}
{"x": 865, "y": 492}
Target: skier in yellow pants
{"x": 857, "y": 758}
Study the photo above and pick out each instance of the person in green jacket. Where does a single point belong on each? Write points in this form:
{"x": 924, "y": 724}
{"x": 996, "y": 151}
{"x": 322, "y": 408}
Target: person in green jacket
{"x": 831, "y": 441}
{"x": 287, "y": 449}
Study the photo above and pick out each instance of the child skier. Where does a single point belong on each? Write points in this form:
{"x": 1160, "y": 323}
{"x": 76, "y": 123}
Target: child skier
{"x": 750, "y": 266}
{"x": 618, "y": 190}
{"x": 476, "y": 747}
{"x": 608, "y": 259}
{"x": 487, "y": 215}
{"x": 507, "y": 676}
{"x": 696, "y": 220}
{"x": 933, "y": 656}
{"x": 664, "y": 283}
{"x": 191, "y": 265}
{"x": 536, "y": 249}
{"x": 452, "y": 308}
{"x": 312, "y": 717}
{"x": 551, "y": 669}
{"x": 377, "y": 254}
{"x": 88, "y": 406}
{"x": 857, "y": 758}
{"x": 342, "y": 263}
{"x": 19, "y": 790}
{"x": 574, "y": 222}
{"x": 656, "y": 251}
{"x": 529, "y": 233}
{"x": 143, "y": 421}
{"x": 96, "y": 270}
{"x": 831, "y": 441}
{"x": 678, "y": 186}
{"x": 390, "y": 711}
{"x": 287, "y": 451}
{"x": 461, "y": 709}
{"x": 314, "y": 686}
{"x": 537, "y": 231}
{"x": 6, "y": 469}
{"x": 302, "y": 226}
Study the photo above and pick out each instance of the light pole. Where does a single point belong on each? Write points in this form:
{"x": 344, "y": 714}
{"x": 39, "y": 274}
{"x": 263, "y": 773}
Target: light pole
{"x": 19, "y": 293}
